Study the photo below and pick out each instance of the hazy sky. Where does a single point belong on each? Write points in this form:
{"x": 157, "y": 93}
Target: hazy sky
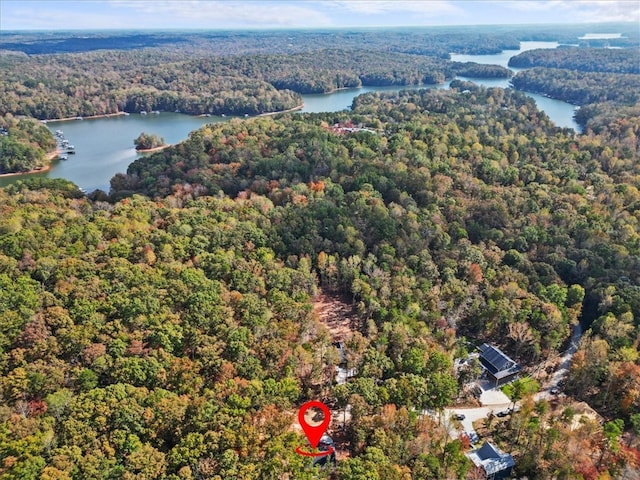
{"x": 90, "y": 14}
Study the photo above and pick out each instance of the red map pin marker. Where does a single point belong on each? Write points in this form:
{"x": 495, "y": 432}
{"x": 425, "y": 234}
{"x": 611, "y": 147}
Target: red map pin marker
{"x": 314, "y": 432}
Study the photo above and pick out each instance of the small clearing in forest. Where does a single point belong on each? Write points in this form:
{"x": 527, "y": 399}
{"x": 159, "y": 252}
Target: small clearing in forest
{"x": 336, "y": 314}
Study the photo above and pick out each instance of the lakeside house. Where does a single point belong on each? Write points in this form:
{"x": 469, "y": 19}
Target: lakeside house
{"x": 493, "y": 462}
{"x": 499, "y": 367}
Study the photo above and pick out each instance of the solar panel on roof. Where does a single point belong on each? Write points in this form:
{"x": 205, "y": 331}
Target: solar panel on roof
{"x": 495, "y": 360}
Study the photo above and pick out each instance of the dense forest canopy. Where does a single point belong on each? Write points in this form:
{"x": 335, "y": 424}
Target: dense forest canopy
{"x": 582, "y": 76}
{"x": 169, "y": 337}
{"x": 483, "y": 168}
{"x": 107, "y": 82}
{"x": 24, "y": 144}
{"x": 622, "y": 60}
{"x": 166, "y": 329}
{"x": 580, "y": 87}
{"x": 251, "y": 73}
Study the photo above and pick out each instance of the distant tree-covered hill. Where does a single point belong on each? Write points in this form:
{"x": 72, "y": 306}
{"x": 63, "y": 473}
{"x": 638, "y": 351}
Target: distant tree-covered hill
{"x": 580, "y": 87}
{"x": 622, "y": 60}
{"x": 438, "y": 40}
{"x": 95, "y": 83}
{"x": 583, "y": 76}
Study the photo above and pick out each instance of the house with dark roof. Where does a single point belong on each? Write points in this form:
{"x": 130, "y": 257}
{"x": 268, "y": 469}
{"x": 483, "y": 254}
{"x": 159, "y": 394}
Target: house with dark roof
{"x": 326, "y": 444}
{"x": 500, "y": 368}
{"x": 492, "y": 461}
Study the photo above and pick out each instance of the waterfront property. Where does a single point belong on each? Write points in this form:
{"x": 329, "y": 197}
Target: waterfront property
{"x": 500, "y": 368}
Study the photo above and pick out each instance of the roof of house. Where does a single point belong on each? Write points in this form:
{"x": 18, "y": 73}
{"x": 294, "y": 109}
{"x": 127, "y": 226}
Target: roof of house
{"x": 327, "y": 440}
{"x": 491, "y": 459}
{"x": 497, "y": 362}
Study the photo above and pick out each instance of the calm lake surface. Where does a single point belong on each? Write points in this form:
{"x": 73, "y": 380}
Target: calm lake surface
{"x": 342, "y": 99}
{"x": 561, "y": 113}
{"x": 104, "y": 146}
{"x": 502, "y": 59}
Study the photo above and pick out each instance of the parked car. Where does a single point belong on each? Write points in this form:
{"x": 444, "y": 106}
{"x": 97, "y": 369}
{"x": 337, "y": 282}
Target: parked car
{"x": 508, "y": 411}
{"x": 473, "y": 436}
{"x": 554, "y": 391}
{"x": 459, "y": 416}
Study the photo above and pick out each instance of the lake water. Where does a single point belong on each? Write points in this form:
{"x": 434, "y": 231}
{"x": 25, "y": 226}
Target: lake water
{"x": 342, "y": 99}
{"x": 502, "y": 59}
{"x": 561, "y": 113}
{"x": 104, "y": 146}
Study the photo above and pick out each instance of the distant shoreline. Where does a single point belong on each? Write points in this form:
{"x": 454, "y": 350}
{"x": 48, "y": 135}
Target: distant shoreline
{"x": 104, "y": 115}
{"x": 299, "y": 107}
{"x": 118, "y": 114}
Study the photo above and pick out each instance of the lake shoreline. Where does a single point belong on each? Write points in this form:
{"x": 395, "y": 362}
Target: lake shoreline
{"x": 45, "y": 168}
{"x": 154, "y": 149}
{"x": 67, "y": 119}
{"x": 294, "y": 109}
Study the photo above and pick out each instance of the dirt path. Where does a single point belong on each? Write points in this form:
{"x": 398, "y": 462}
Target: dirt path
{"x": 336, "y": 314}
{"x": 339, "y": 316}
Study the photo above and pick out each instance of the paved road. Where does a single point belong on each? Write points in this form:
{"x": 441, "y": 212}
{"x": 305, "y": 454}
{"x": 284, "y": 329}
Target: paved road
{"x": 562, "y": 371}
{"x": 494, "y": 400}
{"x": 471, "y": 415}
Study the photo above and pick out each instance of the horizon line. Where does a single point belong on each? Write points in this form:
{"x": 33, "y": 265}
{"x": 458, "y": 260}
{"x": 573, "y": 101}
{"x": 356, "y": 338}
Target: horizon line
{"x": 275, "y": 28}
